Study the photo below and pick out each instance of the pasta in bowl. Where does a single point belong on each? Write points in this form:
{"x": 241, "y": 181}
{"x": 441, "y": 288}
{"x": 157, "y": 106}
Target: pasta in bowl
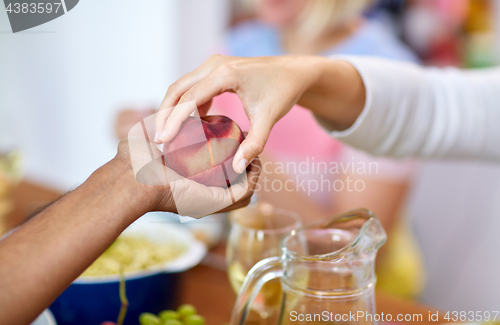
{"x": 133, "y": 254}
{"x": 152, "y": 254}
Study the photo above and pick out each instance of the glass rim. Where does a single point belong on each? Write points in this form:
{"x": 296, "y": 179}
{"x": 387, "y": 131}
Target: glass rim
{"x": 366, "y": 214}
{"x": 296, "y": 224}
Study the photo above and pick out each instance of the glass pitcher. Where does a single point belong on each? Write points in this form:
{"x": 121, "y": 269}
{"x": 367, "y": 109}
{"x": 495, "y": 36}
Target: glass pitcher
{"x": 326, "y": 270}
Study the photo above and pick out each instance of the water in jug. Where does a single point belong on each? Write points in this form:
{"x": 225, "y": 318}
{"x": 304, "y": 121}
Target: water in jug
{"x": 326, "y": 271}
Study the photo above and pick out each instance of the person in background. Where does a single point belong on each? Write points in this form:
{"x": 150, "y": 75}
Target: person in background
{"x": 327, "y": 27}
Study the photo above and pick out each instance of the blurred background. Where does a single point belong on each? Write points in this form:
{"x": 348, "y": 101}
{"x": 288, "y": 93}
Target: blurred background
{"x": 63, "y": 85}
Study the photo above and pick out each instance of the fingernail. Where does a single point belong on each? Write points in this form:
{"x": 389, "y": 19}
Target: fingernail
{"x": 156, "y": 136}
{"x": 242, "y": 164}
{"x": 162, "y": 136}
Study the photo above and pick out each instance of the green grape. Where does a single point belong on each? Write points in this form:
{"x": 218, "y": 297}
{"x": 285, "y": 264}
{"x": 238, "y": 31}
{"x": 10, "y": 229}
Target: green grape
{"x": 149, "y": 319}
{"x": 168, "y": 314}
{"x": 194, "y": 320}
{"x": 173, "y": 322}
{"x": 186, "y": 310}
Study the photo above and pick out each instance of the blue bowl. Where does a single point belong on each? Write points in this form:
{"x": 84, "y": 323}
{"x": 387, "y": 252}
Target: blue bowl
{"x": 83, "y": 304}
{"x": 93, "y": 300}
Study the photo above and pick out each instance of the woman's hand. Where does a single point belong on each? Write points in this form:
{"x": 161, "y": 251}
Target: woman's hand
{"x": 268, "y": 88}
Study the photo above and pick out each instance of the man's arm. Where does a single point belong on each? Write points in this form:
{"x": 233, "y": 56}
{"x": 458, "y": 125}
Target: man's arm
{"x": 41, "y": 258}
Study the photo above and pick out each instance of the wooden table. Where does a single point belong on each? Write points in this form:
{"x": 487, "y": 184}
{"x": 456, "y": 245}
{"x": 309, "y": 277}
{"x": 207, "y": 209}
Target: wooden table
{"x": 205, "y": 287}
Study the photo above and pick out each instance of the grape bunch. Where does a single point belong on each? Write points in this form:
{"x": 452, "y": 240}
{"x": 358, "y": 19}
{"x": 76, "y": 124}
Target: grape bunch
{"x": 185, "y": 315}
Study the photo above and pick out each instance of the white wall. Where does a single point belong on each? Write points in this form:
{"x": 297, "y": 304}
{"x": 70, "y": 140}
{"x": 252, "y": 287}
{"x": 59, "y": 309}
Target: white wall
{"x": 66, "y": 79}
{"x": 202, "y": 28}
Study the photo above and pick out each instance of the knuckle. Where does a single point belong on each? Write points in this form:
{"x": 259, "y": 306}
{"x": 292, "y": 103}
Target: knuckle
{"x": 173, "y": 88}
{"x": 187, "y": 97}
{"x": 215, "y": 57}
{"x": 123, "y": 145}
{"x": 226, "y": 69}
{"x": 244, "y": 202}
{"x": 256, "y": 147}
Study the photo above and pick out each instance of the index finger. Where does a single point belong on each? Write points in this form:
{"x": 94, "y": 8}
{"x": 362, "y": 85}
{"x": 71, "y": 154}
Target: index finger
{"x": 184, "y": 83}
{"x": 172, "y": 97}
{"x": 202, "y": 92}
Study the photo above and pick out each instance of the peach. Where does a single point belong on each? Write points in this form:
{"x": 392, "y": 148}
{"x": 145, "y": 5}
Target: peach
{"x": 203, "y": 150}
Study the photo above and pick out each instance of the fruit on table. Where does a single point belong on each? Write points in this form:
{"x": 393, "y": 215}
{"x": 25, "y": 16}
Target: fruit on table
{"x": 149, "y": 319}
{"x": 185, "y": 315}
{"x": 169, "y": 314}
{"x": 186, "y": 310}
{"x": 203, "y": 150}
{"x": 194, "y": 320}
{"x": 173, "y": 322}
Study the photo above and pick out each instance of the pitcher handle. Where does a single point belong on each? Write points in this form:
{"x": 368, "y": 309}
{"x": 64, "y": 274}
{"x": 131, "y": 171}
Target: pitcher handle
{"x": 262, "y": 272}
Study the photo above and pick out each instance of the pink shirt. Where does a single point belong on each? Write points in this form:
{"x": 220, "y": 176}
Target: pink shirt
{"x": 295, "y": 137}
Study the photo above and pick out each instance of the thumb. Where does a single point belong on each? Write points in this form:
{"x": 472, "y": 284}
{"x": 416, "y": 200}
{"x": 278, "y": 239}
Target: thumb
{"x": 252, "y": 146}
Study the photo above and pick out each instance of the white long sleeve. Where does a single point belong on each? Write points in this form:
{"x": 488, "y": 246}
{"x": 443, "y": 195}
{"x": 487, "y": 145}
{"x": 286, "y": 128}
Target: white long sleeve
{"x": 426, "y": 112}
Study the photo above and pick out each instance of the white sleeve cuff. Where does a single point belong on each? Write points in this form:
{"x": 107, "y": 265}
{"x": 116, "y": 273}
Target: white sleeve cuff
{"x": 379, "y": 125}
{"x": 361, "y": 118}
{"x": 426, "y": 113}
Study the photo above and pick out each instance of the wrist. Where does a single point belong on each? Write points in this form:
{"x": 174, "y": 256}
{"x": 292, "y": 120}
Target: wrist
{"x": 336, "y": 92}
{"x": 116, "y": 182}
